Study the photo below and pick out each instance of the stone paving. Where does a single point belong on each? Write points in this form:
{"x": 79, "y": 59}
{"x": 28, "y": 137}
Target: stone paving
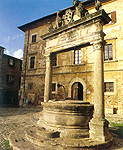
{"x": 12, "y": 119}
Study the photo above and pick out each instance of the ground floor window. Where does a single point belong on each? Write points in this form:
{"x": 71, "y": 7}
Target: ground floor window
{"x": 10, "y": 79}
{"x": 109, "y": 87}
{"x": 53, "y": 87}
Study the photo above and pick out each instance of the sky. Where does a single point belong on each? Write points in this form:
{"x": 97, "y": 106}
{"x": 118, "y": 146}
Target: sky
{"x": 14, "y": 13}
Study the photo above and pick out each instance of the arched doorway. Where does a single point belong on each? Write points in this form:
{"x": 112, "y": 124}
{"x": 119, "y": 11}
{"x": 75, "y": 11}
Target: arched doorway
{"x": 77, "y": 91}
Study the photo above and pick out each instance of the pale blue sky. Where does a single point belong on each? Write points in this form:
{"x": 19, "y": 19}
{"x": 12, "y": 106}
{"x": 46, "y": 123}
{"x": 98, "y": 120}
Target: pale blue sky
{"x": 14, "y": 13}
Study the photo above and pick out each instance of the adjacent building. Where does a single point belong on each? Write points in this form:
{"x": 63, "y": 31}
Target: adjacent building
{"x": 10, "y": 79}
{"x": 73, "y": 71}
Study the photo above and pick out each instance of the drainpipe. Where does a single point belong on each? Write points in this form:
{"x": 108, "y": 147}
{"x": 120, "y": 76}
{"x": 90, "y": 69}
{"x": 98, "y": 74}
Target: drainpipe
{"x": 26, "y": 60}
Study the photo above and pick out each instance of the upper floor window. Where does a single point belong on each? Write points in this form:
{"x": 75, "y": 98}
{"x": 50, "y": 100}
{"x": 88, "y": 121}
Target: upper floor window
{"x": 108, "y": 52}
{"x": 32, "y": 62}
{"x": 11, "y": 62}
{"x": 34, "y": 38}
{"x": 77, "y": 57}
{"x": 112, "y": 15}
{"x": 54, "y": 60}
{"x": 10, "y": 78}
{"x": 109, "y": 87}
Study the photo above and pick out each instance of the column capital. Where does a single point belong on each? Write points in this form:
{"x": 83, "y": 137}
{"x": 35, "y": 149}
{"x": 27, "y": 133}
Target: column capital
{"x": 98, "y": 45}
{"x": 48, "y": 57}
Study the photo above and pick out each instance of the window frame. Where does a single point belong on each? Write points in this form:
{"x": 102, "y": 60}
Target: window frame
{"x": 11, "y": 62}
{"x": 113, "y": 42}
{"x": 115, "y": 87}
{"x": 107, "y": 87}
{"x": 108, "y": 52}
{"x": 77, "y": 57}
{"x": 56, "y": 88}
{"x": 10, "y": 79}
{"x": 54, "y": 60}
{"x": 32, "y": 39}
{"x": 32, "y": 64}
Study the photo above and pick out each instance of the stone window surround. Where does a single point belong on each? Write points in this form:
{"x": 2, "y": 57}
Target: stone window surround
{"x": 77, "y": 56}
{"x": 115, "y": 87}
{"x": 54, "y": 61}
{"x": 32, "y": 36}
{"x": 56, "y": 91}
{"x": 10, "y": 78}
{"x": 108, "y": 52}
{"x": 11, "y": 62}
{"x": 113, "y": 42}
{"x": 34, "y": 62}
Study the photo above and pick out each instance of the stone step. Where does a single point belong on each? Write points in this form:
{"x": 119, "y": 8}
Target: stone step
{"x": 63, "y": 143}
{"x": 28, "y": 139}
{"x": 18, "y": 141}
{"x": 41, "y": 131}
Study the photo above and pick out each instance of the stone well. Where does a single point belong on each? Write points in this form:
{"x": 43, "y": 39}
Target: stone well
{"x": 70, "y": 118}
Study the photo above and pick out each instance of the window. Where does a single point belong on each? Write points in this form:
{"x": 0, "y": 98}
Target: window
{"x": 32, "y": 62}
{"x": 53, "y": 87}
{"x": 108, "y": 52}
{"x": 11, "y": 62}
{"x": 10, "y": 78}
{"x": 55, "y": 60}
{"x": 77, "y": 57}
{"x": 34, "y": 38}
{"x": 30, "y": 86}
{"x": 109, "y": 87}
{"x": 112, "y": 15}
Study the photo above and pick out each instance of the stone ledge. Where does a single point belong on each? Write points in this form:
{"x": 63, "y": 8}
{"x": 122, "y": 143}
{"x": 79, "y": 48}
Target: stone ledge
{"x": 31, "y": 140}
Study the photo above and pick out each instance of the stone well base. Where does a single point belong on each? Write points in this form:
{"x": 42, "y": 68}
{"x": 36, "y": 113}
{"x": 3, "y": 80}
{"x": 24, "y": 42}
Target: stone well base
{"x": 71, "y": 118}
{"x": 56, "y": 142}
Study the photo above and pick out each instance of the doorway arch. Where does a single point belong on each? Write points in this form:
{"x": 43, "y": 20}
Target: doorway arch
{"x": 77, "y": 91}
{"x": 77, "y": 79}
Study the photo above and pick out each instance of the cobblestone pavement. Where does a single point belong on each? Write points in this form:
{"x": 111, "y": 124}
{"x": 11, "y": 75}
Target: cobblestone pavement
{"x": 15, "y": 118}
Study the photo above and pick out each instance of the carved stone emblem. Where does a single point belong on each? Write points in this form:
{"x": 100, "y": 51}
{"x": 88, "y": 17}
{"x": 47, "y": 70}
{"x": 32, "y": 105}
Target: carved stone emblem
{"x": 68, "y": 17}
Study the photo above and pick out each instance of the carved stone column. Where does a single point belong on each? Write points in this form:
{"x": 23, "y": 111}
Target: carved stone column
{"x": 98, "y": 124}
{"x": 48, "y": 79}
{"x": 98, "y": 81}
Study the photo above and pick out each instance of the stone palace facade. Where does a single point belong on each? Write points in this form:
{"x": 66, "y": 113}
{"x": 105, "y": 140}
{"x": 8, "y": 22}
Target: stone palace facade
{"x": 73, "y": 69}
